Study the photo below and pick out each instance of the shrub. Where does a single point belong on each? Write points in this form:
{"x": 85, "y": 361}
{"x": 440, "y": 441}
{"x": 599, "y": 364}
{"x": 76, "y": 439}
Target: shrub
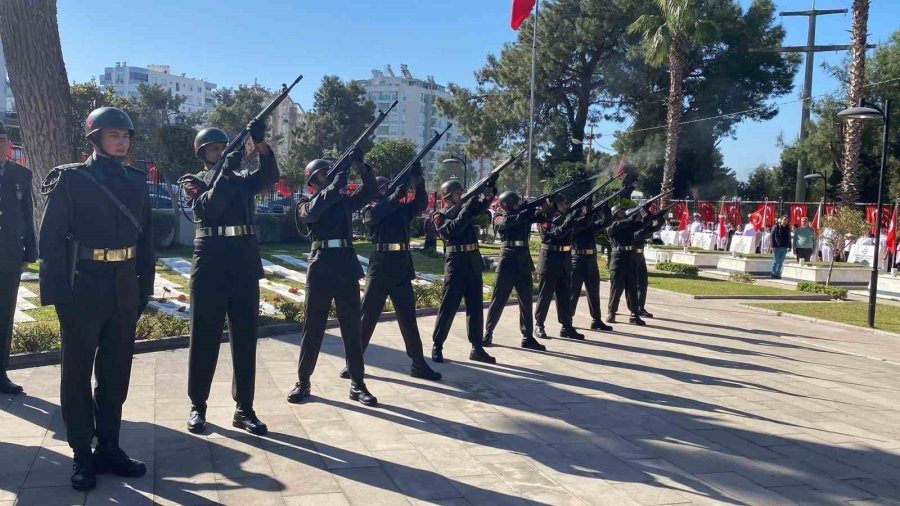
{"x": 417, "y": 226}
{"x": 835, "y": 292}
{"x": 677, "y": 268}
{"x": 156, "y": 325}
{"x": 34, "y": 338}
{"x": 428, "y": 295}
{"x": 292, "y": 311}
{"x": 163, "y": 228}
{"x": 741, "y": 277}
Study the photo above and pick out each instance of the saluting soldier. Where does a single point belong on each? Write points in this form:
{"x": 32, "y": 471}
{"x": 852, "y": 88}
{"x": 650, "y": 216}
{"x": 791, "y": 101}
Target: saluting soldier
{"x": 585, "y": 271}
{"x": 462, "y": 270}
{"x": 226, "y": 271}
{"x": 514, "y": 269}
{"x": 17, "y": 248}
{"x": 623, "y": 265}
{"x": 97, "y": 268}
{"x": 391, "y": 270}
{"x": 334, "y": 273}
{"x": 555, "y": 269}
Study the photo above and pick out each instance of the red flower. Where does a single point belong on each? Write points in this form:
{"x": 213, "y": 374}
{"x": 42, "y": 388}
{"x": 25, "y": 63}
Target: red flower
{"x": 182, "y": 298}
{"x": 294, "y": 290}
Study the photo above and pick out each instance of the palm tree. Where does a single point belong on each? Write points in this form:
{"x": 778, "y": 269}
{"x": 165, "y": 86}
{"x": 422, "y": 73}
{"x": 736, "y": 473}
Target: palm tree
{"x": 854, "y": 128}
{"x": 669, "y": 35}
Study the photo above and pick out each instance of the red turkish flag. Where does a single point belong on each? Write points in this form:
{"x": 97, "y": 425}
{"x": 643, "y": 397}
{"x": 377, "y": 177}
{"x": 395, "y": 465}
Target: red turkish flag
{"x": 763, "y": 216}
{"x": 817, "y": 219}
{"x": 521, "y": 9}
{"x": 871, "y": 215}
{"x": 684, "y": 217}
{"x": 722, "y": 230}
{"x": 707, "y": 211}
{"x": 797, "y": 212}
{"x": 756, "y": 219}
{"x": 733, "y": 213}
{"x": 892, "y": 233}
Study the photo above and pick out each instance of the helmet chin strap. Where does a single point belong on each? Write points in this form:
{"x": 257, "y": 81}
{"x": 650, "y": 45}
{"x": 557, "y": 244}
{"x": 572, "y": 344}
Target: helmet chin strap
{"x": 98, "y": 147}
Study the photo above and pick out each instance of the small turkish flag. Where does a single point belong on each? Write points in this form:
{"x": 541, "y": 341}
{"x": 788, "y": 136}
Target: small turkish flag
{"x": 892, "y": 233}
{"x": 521, "y": 9}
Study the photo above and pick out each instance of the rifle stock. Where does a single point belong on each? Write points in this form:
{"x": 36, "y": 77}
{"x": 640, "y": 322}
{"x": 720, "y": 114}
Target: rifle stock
{"x": 343, "y": 163}
{"x": 583, "y": 199}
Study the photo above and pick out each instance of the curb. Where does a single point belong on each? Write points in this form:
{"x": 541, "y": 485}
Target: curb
{"x": 53, "y": 357}
{"x": 772, "y": 312}
{"x": 798, "y": 297}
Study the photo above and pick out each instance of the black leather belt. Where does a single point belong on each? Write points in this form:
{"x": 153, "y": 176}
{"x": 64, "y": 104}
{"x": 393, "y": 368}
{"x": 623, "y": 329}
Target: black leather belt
{"x": 107, "y": 254}
{"x": 397, "y": 246}
{"x": 549, "y": 247}
{"x": 585, "y": 251}
{"x": 461, "y": 248}
{"x": 224, "y": 231}
{"x": 516, "y": 244}
{"x": 330, "y": 244}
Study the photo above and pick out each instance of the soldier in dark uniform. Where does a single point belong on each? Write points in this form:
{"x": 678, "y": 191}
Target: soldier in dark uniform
{"x": 391, "y": 269}
{"x": 513, "y": 269}
{"x": 643, "y": 281}
{"x": 97, "y": 268}
{"x": 623, "y": 265}
{"x": 555, "y": 269}
{"x": 226, "y": 272}
{"x": 17, "y": 248}
{"x": 462, "y": 270}
{"x": 334, "y": 273}
{"x": 584, "y": 265}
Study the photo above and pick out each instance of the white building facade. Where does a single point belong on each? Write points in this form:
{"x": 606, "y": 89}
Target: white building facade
{"x": 198, "y": 93}
{"x": 416, "y": 116}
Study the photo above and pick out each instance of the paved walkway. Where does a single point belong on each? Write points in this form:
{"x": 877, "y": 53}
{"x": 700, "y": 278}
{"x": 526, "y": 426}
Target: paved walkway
{"x": 710, "y": 404}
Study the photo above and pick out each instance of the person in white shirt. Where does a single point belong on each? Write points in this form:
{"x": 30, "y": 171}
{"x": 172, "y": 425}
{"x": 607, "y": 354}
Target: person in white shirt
{"x": 826, "y": 244}
{"x": 765, "y": 241}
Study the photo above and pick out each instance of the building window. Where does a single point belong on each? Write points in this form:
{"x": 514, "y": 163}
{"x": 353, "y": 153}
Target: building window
{"x": 138, "y": 76}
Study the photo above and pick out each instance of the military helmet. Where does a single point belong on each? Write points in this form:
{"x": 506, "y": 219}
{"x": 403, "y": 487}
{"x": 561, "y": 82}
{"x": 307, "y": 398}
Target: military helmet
{"x": 107, "y": 117}
{"x": 382, "y": 181}
{"x": 314, "y": 167}
{"x": 208, "y": 136}
{"x": 508, "y": 199}
{"x": 449, "y": 187}
{"x": 615, "y": 209}
{"x": 560, "y": 198}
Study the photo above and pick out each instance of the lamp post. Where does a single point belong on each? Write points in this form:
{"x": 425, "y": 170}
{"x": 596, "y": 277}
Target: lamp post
{"x": 812, "y": 176}
{"x": 871, "y": 112}
{"x": 465, "y": 164}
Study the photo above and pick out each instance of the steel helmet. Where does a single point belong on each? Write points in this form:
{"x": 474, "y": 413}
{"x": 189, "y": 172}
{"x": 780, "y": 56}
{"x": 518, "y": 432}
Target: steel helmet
{"x": 107, "y": 117}
{"x": 508, "y": 199}
{"x": 449, "y": 187}
{"x": 208, "y": 136}
{"x": 314, "y": 167}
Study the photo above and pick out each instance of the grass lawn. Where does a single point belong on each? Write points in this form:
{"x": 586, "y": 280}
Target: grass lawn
{"x": 854, "y": 313}
{"x": 693, "y": 285}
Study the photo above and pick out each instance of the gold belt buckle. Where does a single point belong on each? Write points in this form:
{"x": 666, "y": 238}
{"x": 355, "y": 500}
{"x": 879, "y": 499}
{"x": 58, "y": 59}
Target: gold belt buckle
{"x": 99, "y": 255}
{"x": 116, "y": 255}
{"x": 565, "y": 248}
{"x": 395, "y": 247}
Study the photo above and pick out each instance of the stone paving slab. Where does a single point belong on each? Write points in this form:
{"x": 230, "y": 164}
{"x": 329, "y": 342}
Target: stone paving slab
{"x": 708, "y": 404}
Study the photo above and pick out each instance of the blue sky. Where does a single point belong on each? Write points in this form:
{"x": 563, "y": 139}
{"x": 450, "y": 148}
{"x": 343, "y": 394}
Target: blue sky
{"x": 230, "y": 42}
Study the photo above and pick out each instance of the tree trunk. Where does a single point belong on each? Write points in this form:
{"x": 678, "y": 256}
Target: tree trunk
{"x": 675, "y": 106}
{"x": 37, "y": 75}
{"x": 854, "y": 128}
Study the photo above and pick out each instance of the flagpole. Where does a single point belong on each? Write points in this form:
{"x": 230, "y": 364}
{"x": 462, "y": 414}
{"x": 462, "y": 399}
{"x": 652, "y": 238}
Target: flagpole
{"x": 537, "y": 7}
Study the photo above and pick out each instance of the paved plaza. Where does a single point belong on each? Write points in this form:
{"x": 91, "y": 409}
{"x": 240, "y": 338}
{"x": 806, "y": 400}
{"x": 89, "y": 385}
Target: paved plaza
{"x": 711, "y": 403}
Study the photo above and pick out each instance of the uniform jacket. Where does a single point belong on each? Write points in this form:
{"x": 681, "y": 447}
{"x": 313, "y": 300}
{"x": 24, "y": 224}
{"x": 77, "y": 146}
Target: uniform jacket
{"x": 219, "y": 262}
{"x": 388, "y": 222}
{"x": 459, "y": 231}
{"x": 517, "y": 260}
{"x": 556, "y": 235}
{"x": 76, "y": 206}
{"x": 17, "y": 239}
{"x": 329, "y": 215}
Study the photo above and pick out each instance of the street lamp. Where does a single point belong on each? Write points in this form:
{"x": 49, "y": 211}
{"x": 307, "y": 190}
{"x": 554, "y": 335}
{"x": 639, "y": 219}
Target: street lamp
{"x": 465, "y": 163}
{"x": 871, "y": 112}
{"x": 812, "y": 176}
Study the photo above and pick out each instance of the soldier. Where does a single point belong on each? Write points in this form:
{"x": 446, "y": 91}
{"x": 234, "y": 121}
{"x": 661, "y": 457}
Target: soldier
{"x": 555, "y": 269}
{"x": 584, "y": 265}
{"x": 97, "y": 268}
{"x": 391, "y": 269}
{"x": 650, "y": 227}
{"x": 462, "y": 270}
{"x": 226, "y": 272}
{"x": 334, "y": 273}
{"x": 17, "y": 248}
{"x": 623, "y": 265}
{"x": 514, "y": 269}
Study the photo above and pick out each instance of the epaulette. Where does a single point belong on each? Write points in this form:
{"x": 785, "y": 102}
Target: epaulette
{"x": 49, "y": 184}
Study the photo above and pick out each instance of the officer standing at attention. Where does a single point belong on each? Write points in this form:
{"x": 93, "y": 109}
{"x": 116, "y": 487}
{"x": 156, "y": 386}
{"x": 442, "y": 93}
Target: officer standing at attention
{"x": 555, "y": 269}
{"x": 643, "y": 280}
{"x": 513, "y": 269}
{"x": 462, "y": 270}
{"x": 584, "y": 264}
{"x": 623, "y": 265}
{"x": 226, "y": 272}
{"x": 334, "y": 272}
{"x": 97, "y": 268}
{"x": 17, "y": 248}
{"x": 391, "y": 269}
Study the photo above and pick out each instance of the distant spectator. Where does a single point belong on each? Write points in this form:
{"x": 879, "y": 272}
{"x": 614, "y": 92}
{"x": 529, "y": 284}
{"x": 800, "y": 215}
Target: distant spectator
{"x": 804, "y": 241}
{"x": 781, "y": 243}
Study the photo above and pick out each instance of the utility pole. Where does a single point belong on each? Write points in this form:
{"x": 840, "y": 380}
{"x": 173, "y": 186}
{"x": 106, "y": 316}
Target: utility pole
{"x": 810, "y": 49}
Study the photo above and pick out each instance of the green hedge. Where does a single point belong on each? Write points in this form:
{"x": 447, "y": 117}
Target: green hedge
{"x": 417, "y": 226}
{"x": 741, "y": 277}
{"x": 163, "y": 228}
{"x": 276, "y": 228}
{"x": 835, "y": 292}
{"x": 677, "y": 268}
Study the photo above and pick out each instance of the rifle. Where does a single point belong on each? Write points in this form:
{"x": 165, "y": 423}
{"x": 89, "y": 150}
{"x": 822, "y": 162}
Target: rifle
{"x": 480, "y": 185}
{"x": 631, "y": 213}
{"x": 343, "y": 163}
{"x": 403, "y": 176}
{"x": 615, "y": 194}
{"x": 583, "y": 199}
{"x": 536, "y": 202}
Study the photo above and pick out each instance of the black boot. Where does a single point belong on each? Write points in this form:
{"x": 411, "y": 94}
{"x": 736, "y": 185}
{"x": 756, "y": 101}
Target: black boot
{"x": 421, "y": 369}
{"x": 611, "y": 318}
{"x": 246, "y": 419}
{"x": 479, "y": 355}
{"x": 636, "y": 320}
{"x": 345, "y": 373}
{"x": 437, "y": 354}
{"x": 197, "y": 421}
{"x": 530, "y": 343}
{"x": 488, "y": 340}
{"x": 8, "y": 387}
{"x": 84, "y": 477}
{"x": 301, "y": 391}
{"x": 646, "y": 314}
{"x": 359, "y": 392}
{"x": 599, "y": 325}
{"x": 112, "y": 459}
{"x": 570, "y": 332}
{"x": 540, "y": 333}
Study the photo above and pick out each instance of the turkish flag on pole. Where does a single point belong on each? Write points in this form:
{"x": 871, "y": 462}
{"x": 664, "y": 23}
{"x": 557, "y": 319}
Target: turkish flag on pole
{"x": 722, "y": 230}
{"x": 707, "y": 211}
{"x": 817, "y": 219}
{"x": 684, "y": 219}
{"x": 892, "y": 233}
{"x": 798, "y": 212}
{"x": 521, "y": 9}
